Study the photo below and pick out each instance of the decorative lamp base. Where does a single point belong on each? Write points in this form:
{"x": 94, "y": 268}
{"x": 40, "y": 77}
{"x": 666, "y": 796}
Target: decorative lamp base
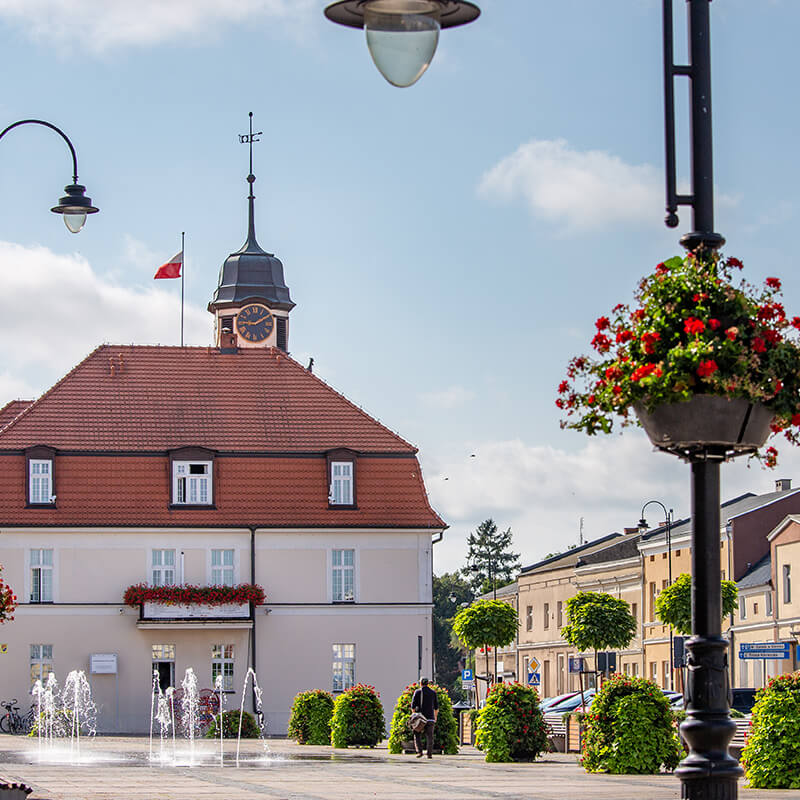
{"x": 707, "y": 427}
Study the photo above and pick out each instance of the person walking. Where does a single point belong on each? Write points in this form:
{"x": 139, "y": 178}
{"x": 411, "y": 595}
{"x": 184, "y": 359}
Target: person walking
{"x": 425, "y": 702}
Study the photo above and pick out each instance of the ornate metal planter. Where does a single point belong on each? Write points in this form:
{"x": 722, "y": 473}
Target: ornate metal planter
{"x": 707, "y": 424}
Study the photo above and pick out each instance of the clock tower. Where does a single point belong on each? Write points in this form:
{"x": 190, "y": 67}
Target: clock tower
{"x": 251, "y": 304}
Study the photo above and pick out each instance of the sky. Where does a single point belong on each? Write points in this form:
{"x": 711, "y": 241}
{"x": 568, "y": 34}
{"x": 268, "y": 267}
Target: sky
{"x": 448, "y": 245}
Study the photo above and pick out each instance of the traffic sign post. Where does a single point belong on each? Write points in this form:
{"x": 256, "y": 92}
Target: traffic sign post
{"x": 467, "y": 679}
{"x": 533, "y": 672}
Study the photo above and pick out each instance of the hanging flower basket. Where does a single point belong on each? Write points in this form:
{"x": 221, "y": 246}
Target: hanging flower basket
{"x": 708, "y": 368}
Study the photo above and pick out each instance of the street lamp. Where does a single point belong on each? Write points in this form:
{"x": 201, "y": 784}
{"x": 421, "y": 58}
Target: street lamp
{"x": 490, "y": 568}
{"x": 75, "y": 205}
{"x": 402, "y": 35}
{"x": 643, "y": 526}
{"x": 709, "y": 770}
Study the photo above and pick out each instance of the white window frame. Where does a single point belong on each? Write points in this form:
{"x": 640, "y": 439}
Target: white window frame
{"x": 768, "y": 603}
{"x": 742, "y": 607}
{"x": 40, "y": 481}
{"x": 159, "y": 571}
{"x": 192, "y": 489}
{"x": 787, "y": 583}
{"x": 223, "y": 662}
{"x": 41, "y": 658}
{"x": 40, "y": 590}
{"x": 341, "y": 488}
{"x": 342, "y": 570}
{"x": 222, "y": 573}
{"x": 344, "y": 666}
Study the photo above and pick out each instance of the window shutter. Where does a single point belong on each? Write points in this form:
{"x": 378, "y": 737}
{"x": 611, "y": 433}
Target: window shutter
{"x": 281, "y": 330}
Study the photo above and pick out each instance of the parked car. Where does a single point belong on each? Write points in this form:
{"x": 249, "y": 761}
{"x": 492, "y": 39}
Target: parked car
{"x": 573, "y": 703}
{"x": 743, "y": 700}
{"x": 547, "y": 703}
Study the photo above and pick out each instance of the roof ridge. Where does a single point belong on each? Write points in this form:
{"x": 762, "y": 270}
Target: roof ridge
{"x": 18, "y": 401}
{"x": 354, "y": 406}
{"x": 33, "y": 404}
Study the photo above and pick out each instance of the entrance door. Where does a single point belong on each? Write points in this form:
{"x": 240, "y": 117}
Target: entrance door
{"x": 166, "y": 673}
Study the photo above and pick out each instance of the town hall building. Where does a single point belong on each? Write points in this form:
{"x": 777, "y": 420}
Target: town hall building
{"x": 212, "y": 466}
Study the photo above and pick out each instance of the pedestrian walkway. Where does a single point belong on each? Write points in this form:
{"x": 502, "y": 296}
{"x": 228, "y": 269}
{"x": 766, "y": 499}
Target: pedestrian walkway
{"x": 293, "y": 772}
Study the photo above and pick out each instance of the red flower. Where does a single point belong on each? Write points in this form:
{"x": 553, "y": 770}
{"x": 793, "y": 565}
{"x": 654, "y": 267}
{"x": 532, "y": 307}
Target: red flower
{"x": 707, "y": 368}
{"x": 644, "y": 371}
{"x": 563, "y": 387}
{"x": 772, "y": 336}
{"x": 661, "y": 269}
{"x": 731, "y": 332}
{"x": 602, "y": 323}
{"x": 796, "y": 322}
{"x": 649, "y": 340}
{"x": 601, "y": 342}
{"x": 734, "y": 262}
{"x": 758, "y": 345}
{"x": 613, "y": 372}
{"x": 693, "y": 326}
{"x": 773, "y": 283}
{"x": 771, "y": 457}
{"x": 713, "y": 324}
{"x": 624, "y": 336}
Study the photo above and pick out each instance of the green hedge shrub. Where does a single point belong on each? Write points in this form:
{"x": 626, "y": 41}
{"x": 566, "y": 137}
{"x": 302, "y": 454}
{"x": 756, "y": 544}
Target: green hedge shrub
{"x": 310, "y": 719}
{"x": 230, "y": 726}
{"x": 357, "y": 718}
{"x": 511, "y": 726}
{"x": 630, "y": 729}
{"x": 445, "y": 733}
{"x": 771, "y": 757}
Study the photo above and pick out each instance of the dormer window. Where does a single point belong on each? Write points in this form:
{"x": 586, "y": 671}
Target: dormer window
{"x": 41, "y": 476}
{"x": 192, "y": 471}
{"x": 341, "y": 483}
{"x": 191, "y": 483}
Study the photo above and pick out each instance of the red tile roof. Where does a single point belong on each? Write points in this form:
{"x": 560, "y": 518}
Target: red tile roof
{"x": 111, "y": 490}
{"x": 9, "y": 411}
{"x": 113, "y": 418}
{"x": 139, "y": 398}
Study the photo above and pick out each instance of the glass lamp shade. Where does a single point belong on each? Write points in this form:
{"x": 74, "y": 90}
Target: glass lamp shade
{"x": 75, "y": 222}
{"x": 402, "y": 36}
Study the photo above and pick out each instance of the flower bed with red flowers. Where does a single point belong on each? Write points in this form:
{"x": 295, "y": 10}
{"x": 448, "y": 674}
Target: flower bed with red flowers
{"x": 357, "y": 719}
{"x": 194, "y": 595}
{"x": 511, "y": 725}
{"x": 691, "y": 331}
{"x": 8, "y": 601}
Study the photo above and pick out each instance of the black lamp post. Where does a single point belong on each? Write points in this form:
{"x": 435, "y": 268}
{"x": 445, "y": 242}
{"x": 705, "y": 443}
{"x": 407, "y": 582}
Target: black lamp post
{"x": 75, "y": 205}
{"x": 642, "y": 528}
{"x": 708, "y": 772}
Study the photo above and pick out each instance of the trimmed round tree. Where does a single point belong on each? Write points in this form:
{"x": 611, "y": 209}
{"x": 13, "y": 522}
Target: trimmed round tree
{"x": 598, "y": 621}
{"x": 230, "y": 726}
{"x": 511, "y": 725}
{"x": 674, "y": 604}
{"x": 630, "y": 729}
{"x": 357, "y": 718}
{"x": 310, "y": 718}
{"x": 486, "y": 623}
{"x": 771, "y": 757}
{"x": 445, "y": 733}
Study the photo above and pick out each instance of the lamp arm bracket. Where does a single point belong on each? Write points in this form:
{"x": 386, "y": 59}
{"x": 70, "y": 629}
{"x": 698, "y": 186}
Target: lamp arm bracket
{"x": 54, "y": 128}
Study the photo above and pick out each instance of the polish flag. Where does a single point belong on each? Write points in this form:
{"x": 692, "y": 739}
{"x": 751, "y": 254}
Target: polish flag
{"x": 172, "y": 269}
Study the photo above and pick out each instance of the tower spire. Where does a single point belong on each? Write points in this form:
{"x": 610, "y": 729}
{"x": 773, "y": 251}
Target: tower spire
{"x": 249, "y": 138}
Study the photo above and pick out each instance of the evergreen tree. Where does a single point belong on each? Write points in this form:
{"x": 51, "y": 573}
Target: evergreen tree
{"x": 490, "y": 551}
{"x": 450, "y": 592}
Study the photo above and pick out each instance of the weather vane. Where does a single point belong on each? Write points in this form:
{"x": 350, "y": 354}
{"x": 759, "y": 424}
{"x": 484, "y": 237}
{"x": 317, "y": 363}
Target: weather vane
{"x": 249, "y": 138}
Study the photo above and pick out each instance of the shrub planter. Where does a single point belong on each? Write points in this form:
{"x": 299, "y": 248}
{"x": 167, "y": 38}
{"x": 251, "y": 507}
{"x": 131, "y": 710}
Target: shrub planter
{"x": 707, "y": 423}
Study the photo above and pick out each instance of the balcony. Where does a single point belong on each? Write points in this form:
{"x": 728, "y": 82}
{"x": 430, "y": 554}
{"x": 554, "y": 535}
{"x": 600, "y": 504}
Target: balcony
{"x": 189, "y": 607}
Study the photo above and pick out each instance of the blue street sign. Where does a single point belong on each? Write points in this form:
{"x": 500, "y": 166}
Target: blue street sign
{"x": 769, "y": 650}
{"x": 466, "y": 674}
{"x": 575, "y": 664}
{"x": 533, "y": 678}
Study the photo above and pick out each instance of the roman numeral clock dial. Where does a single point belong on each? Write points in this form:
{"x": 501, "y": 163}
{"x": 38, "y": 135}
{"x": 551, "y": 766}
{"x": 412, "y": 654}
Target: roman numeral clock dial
{"x": 255, "y": 323}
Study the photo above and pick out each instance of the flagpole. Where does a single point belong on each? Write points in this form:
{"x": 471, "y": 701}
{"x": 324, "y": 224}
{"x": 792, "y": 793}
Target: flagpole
{"x": 183, "y": 270}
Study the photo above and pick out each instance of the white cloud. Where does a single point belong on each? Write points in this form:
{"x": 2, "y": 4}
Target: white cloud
{"x": 55, "y": 309}
{"x": 542, "y": 492}
{"x": 100, "y": 25}
{"x": 452, "y": 397}
{"x": 578, "y": 190}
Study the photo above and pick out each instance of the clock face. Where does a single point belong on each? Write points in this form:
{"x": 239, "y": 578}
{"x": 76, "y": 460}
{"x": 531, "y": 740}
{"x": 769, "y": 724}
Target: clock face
{"x": 255, "y": 323}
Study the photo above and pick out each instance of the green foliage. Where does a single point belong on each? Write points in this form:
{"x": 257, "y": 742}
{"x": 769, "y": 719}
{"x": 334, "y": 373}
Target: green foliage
{"x": 445, "y": 732}
{"x": 630, "y": 729}
{"x": 490, "y": 551}
{"x": 357, "y": 718}
{"x": 511, "y": 725}
{"x": 674, "y": 604}
{"x": 692, "y": 330}
{"x": 230, "y": 726}
{"x": 771, "y": 757}
{"x": 447, "y": 650}
{"x": 310, "y": 717}
{"x": 598, "y": 621}
{"x": 486, "y": 622}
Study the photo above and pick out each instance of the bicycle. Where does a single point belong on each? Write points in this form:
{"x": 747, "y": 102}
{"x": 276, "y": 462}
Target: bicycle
{"x": 12, "y": 722}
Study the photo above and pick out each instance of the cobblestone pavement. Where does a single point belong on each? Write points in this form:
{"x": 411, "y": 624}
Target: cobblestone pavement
{"x": 118, "y": 769}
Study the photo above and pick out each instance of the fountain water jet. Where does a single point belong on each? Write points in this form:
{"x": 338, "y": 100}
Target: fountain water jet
{"x": 79, "y": 708}
{"x": 258, "y": 693}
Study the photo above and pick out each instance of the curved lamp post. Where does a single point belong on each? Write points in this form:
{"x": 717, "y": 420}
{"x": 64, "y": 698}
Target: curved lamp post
{"x": 75, "y": 205}
{"x": 708, "y": 772}
{"x": 402, "y": 35}
{"x": 643, "y": 526}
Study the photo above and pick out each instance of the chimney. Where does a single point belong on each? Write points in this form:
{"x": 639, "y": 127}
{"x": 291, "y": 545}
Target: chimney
{"x": 227, "y": 342}
{"x": 783, "y": 484}
{"x": 628, "y": 531}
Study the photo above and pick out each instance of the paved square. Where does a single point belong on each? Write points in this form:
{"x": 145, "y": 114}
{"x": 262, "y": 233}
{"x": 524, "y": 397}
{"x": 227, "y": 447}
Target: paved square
{"x": 118, "y": 769}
